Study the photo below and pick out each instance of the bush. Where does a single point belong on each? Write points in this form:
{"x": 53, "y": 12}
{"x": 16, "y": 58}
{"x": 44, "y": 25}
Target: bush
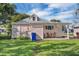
{"x": 3, "y": 37}
{"x": 22, "y": 38}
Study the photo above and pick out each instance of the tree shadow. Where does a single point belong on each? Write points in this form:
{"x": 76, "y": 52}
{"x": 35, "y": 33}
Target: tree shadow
{"x": 57, "y": 46}
{"x": 31, "y": 49}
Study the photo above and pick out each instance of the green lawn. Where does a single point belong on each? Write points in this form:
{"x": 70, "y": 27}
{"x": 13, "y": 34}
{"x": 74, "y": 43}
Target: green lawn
{"x": 39, "y": 48}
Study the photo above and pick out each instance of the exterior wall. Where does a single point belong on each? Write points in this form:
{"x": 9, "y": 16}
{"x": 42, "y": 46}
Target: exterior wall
{"x": 38, "y": 29}
{"x": 21, "y": 30}
{"x": 75, "y": 31}
{"x": 26, "y": 30}
{"x": 57, "y": 29}
{"x": 14, "y": 31}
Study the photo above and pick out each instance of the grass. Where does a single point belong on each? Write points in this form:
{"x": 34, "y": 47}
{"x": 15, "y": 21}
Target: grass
{"x": 39, "y": 48}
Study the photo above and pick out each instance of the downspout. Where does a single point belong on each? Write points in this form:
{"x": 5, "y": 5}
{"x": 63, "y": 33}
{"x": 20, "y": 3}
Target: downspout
{"x": 67, "y": 27}
{"x": 20, "y": 31}
{"x": 43, "y": 31}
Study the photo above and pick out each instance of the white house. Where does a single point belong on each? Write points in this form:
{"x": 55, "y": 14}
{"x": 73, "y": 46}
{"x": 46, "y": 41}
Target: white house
{"x": 42, "y": 28}
{"x": 76, "y": 30}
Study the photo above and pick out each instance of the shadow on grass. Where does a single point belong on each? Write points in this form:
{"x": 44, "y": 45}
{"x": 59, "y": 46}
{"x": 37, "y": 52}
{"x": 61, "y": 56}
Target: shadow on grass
{"x": 17, "y": 52}
{"x": 28, "y": 48}
{"x": 72, "y": 52}
{"x": 56, "y": 46}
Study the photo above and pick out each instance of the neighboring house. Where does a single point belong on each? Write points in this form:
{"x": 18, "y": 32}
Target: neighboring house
{"x": 76, "y": 30}
{"x": 42, "y": 28}
{"x": 2, "y": 29}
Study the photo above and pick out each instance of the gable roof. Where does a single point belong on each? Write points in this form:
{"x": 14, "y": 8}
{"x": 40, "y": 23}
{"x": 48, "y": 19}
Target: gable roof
{"x": 41, "y": 21}
{"x": 24, "y": 21}
{"x": 28, "y": 20}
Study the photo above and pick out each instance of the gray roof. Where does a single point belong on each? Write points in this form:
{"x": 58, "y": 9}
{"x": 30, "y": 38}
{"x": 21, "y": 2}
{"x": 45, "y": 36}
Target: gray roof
{"x": 41, "y": 21}
{"x": 24, "y": 21}
{"x": 28, "y": 21}
{"x": 76, "y": 25}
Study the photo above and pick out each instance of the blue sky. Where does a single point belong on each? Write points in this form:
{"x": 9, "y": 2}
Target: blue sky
{"x": 60, "y": 11}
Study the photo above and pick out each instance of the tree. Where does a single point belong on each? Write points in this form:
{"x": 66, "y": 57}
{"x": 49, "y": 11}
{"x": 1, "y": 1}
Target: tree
{"x": 54, "y": 20}
{"x": 76, "y": 13}
{"x": 9, "y": 15}
{"x": 6, "y": 11}
{"x": 18, "y": 17}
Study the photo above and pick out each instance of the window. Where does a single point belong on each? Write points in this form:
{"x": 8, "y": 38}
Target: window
{"x": 49, "y": 27}
{"x": 38, "y": 19}
{"x": 64, "y": 29}
{"x": 15, "y": 30}
{"x": 52, "y": 27}
{"x": 46, "y": 27}
{"x": 33, "y": 18}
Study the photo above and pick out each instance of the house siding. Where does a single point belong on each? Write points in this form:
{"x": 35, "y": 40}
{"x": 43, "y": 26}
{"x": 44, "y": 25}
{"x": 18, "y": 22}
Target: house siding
{"x": 57, "y": 29}
{"x": 38, "y": 29}
{"x": 26, "y": 30}
{"x": 21, "y": 29}
{"x": 75, "y": 31}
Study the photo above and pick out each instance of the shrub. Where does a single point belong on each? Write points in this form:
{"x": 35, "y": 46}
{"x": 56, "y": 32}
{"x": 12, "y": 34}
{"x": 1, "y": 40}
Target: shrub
{"x": 3, "y": 37}
{"x": 22, "y": 38}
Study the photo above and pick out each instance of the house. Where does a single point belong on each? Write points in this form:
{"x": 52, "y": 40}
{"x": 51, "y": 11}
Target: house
{"x": 40, "y": 27}
{"x": 3, "y": 30}
{"x": 76, "y": 30}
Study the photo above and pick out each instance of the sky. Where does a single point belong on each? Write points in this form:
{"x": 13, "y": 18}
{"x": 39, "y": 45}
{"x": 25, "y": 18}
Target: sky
{"x": 60, "y": 11}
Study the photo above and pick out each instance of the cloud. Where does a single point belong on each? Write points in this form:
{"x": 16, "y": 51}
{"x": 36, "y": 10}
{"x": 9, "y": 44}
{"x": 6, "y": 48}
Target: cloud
{"x": 62, "y": 6}
{"x": 62, "y": 15}
{"x": 59, "y": 5}
{"x": 40, "y": 13}
{"x": 55, "y": 5}
{"x": 60, "y": 11}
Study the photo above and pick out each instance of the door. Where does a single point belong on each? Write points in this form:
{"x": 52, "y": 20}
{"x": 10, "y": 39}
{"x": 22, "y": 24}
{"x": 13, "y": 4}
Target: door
{"x": 33, "y": 36}
{"x": 77, "y": 34}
